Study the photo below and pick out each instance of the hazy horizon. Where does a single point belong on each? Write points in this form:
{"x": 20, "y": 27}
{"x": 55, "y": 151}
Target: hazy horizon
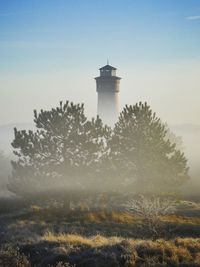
{"x": 53, "y": 52}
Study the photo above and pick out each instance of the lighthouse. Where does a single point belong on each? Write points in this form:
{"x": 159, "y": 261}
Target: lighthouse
{"x": 107, "y": 86}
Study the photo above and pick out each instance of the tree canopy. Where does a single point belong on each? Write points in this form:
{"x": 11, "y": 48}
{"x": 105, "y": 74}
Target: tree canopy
{"x": 69, "y": 149}
{"x": 142, "y": 155}
{"x": 66, "y": 145}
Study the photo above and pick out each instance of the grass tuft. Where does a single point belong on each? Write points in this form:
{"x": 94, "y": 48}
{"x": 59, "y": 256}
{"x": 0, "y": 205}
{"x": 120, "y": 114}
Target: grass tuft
{"x": 78, "y": 240}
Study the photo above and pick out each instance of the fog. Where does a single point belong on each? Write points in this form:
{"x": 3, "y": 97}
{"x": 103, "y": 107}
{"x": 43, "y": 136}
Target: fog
{"x": 189, "y": 135}
{"x": 170, "y": 89}
{"x": 176, "y": 83}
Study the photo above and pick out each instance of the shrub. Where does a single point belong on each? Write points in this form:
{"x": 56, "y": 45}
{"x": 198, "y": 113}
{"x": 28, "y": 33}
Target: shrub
{"x": 10, "y": 257}
{"x": 150, "y": 209}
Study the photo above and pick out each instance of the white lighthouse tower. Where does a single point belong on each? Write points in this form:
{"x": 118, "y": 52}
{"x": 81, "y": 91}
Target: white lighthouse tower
{"x": 107, "y": 86}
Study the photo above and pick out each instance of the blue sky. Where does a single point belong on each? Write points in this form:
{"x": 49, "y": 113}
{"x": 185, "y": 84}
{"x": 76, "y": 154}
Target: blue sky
{"x": 70, "y": 39}
{"x": 52, "y": 34}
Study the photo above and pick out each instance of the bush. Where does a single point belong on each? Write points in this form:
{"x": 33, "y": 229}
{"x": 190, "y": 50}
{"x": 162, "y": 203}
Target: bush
{"x": 150, "y": 209}
{"x": 10, "y": 257}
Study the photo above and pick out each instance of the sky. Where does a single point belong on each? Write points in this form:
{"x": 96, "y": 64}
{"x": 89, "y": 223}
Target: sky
{"x": 51, "y": 50}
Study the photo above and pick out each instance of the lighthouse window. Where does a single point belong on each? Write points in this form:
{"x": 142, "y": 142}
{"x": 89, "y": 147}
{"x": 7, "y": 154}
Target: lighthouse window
{"x": 113, "y": 72}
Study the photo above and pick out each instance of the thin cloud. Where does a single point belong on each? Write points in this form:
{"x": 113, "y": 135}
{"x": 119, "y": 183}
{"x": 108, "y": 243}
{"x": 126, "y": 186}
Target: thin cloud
{"x": 193, "y": 18}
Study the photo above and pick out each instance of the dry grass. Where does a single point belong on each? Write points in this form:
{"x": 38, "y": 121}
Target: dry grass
{"x": 67, "y": 238}
{"x": 170, "y": 253}
{"x": 26, "y": 229}
{"x": 60, "y": 264}
{"x": 10, "y": 257}
{"x": 78, "y": 240}
{"x": 114, "y": 217}
{"x": 101, "y": 216}
{"x": 180, "y": 219}
{"x": 163, "y": 251}
{"x": 192, "y": 244}
{"x": 36, "y": 208}
{"x": 104, "y": 249}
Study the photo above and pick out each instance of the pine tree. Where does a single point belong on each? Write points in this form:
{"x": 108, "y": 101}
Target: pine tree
{"x": 141, "y": 155}
{"x": 66, "y": 148}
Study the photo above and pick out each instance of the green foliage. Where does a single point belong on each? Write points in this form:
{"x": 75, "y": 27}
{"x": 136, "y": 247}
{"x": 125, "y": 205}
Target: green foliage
{"x": 141, "y": 154}
{"x": 65, "y": 145}
{"x": 86, "y": 154}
